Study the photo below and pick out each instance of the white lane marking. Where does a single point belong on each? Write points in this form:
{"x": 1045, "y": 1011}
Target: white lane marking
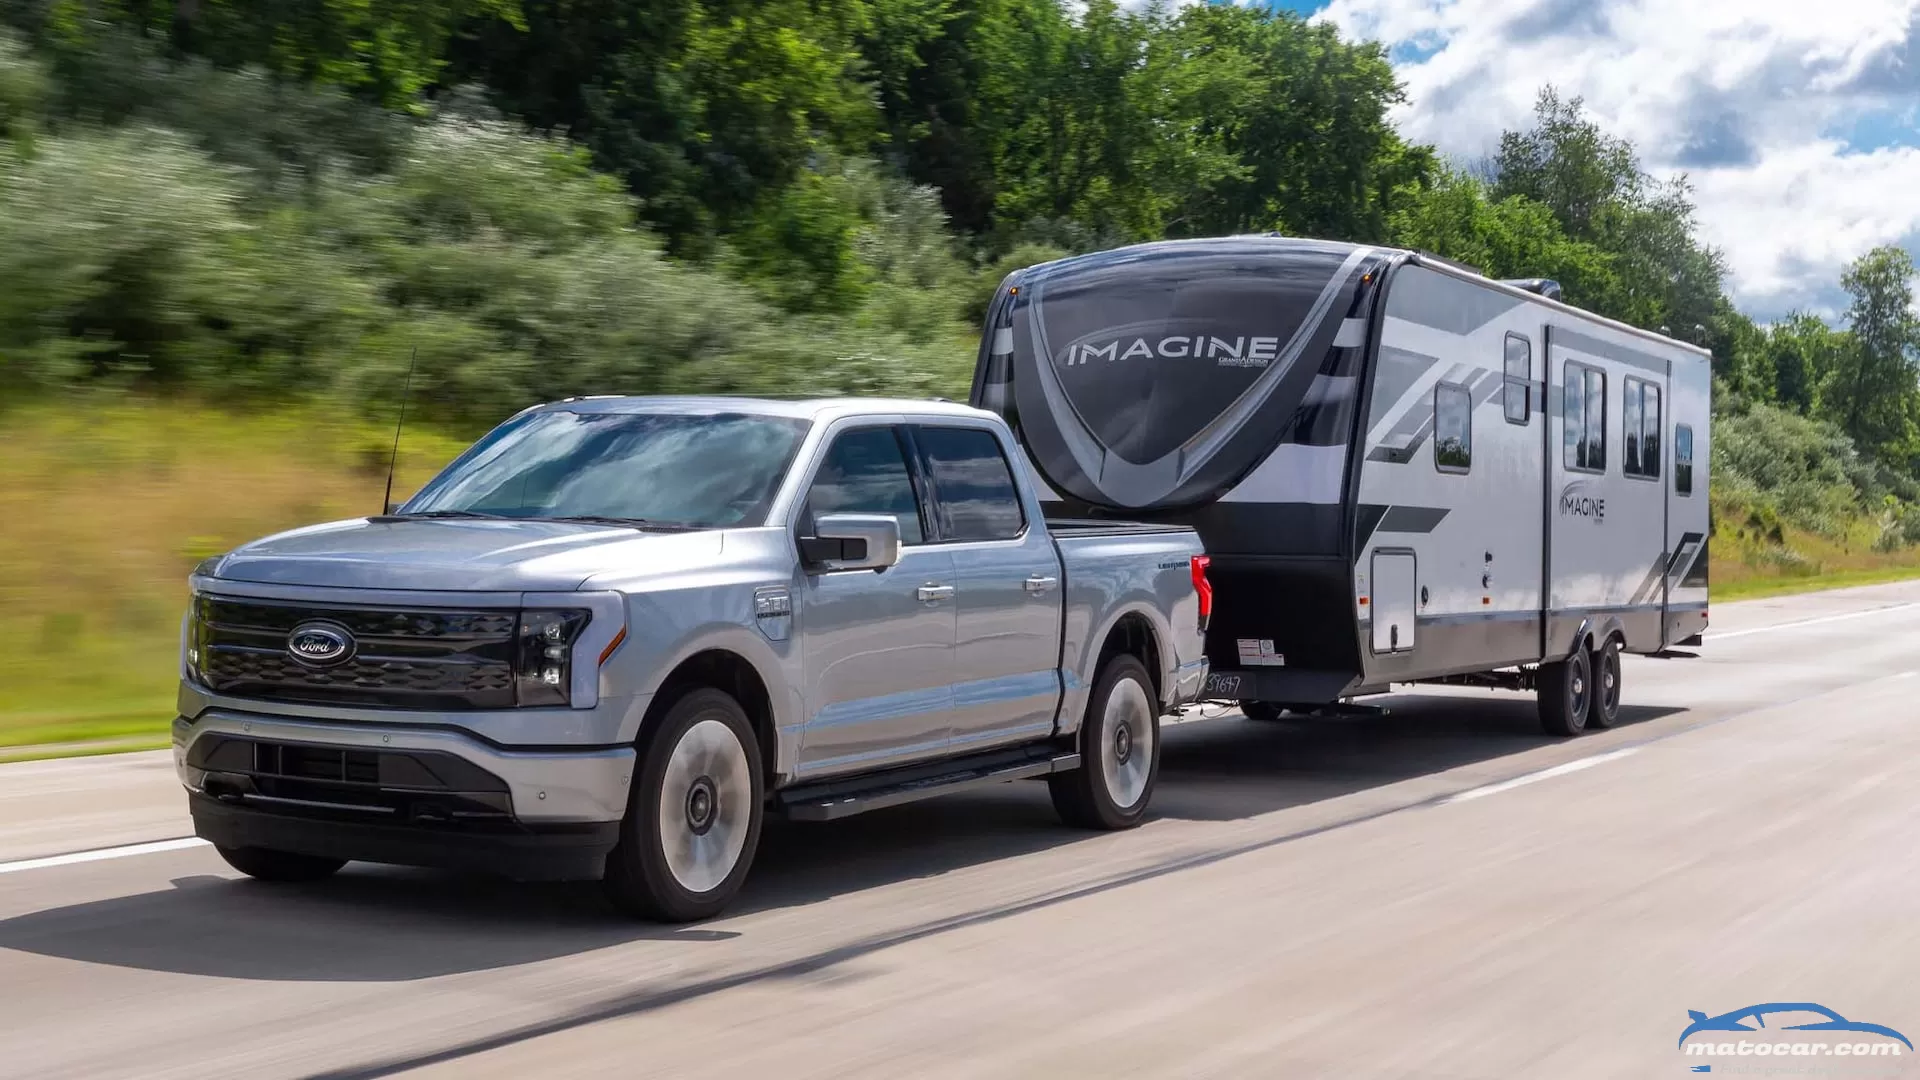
{"x": 1808, "y": 622}
{"x": 98, "y": 854}
{"x": 1543, "y": 774}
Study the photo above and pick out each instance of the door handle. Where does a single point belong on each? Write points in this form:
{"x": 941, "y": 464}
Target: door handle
{"x": 930, "y": 593}
{"x": 1038, "y": 584}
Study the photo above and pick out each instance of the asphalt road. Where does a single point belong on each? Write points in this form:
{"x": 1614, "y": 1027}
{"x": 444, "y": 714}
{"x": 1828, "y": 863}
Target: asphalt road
{"x": 1441, "y": 892}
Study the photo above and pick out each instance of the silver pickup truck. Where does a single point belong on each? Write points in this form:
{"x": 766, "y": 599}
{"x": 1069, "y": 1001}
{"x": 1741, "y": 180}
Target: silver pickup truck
{"x": 615, "y": 632}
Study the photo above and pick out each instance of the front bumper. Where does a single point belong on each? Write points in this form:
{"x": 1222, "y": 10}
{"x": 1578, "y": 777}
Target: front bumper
{"x": 401, "y": 795}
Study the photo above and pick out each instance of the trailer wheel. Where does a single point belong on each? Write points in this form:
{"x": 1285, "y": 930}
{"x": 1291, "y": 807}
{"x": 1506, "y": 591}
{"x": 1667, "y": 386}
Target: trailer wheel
{"x": 1605, "y": 663}
{"x": 1264, "y": 711}
{"x": 1119, "y": 752}
{"x": 1565, "y": 692}
{"x": 266, "y": 864}
{"x": 693, "y": 813}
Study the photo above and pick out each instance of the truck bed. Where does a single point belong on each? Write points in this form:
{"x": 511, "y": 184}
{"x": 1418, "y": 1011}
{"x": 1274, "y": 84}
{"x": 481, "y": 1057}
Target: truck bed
{"x": 1064, "y": 528}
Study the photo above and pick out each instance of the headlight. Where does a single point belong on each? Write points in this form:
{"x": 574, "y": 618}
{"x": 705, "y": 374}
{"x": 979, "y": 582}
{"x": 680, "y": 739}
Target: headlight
{"x": 193, "y": 639}
{"x": 543, "y": 656}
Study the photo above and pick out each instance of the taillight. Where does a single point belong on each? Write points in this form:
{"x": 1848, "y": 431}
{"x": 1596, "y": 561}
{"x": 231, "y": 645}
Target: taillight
{"x": 1203, "y": 588}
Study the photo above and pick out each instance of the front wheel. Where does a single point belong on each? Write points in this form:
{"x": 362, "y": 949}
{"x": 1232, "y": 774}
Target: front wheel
{"x": 1119, "y": 752}
{"x": 693, "y": 815}
{"x": 266, "y": 864}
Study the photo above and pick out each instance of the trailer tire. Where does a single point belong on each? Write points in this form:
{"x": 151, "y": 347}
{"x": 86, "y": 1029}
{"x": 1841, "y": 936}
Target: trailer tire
{"x": 1264, "y": 711}
{"x": 693, "y": 813}
{"x": 1119, "y": 752}
{"x": 1605, "y": 665}
{"x": 267, "y": 864}
{"x": 1565, "y": 691}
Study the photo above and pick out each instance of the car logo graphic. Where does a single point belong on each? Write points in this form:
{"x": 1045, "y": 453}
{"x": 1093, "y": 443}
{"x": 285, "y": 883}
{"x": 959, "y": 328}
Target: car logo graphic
{"x": 320, "y": 644}
{"x": 1733, "y": 1021}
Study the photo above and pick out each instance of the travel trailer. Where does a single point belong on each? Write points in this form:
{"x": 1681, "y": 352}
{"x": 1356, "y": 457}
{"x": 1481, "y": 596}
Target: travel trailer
{"x": 1402, "y": 470}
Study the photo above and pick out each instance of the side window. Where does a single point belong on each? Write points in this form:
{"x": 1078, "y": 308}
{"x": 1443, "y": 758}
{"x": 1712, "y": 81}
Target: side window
{"x": 1640, "y": 429}
{"x": 1584, "y": 409}
{"x": 1683, "y": 460}
{"x": 865, "y": 472}
{"x": 1452, "y": 428}
{"x": 1519, "y": 382}
{"x": 973, "y": 487}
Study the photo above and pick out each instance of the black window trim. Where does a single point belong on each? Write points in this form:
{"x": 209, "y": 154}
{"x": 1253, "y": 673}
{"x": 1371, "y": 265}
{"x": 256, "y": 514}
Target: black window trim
{"x": 1508, "y": 381}
{"x": 1584, "y": 367}
{"x": 1627, "y": 384}
{"x": 909, "y": 456}
{"x": 1677, "y": 429}
{"x": 930, "y": 491}
{"x": 1465, "y": 392}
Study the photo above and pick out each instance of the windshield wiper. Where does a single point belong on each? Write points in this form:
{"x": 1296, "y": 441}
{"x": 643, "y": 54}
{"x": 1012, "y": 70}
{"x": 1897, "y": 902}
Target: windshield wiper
{"x": 644, "y": 524}
{"x": 458, "y": 514}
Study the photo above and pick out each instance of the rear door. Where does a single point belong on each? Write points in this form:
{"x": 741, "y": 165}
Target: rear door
{"x": 1008, "y": 589}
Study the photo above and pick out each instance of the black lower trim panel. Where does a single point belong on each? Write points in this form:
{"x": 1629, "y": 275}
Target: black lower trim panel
{"x": 529, "y": 853}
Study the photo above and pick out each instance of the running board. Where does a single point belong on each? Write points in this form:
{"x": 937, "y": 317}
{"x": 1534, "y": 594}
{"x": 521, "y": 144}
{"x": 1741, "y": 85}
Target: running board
{"x": 856, "y": 795}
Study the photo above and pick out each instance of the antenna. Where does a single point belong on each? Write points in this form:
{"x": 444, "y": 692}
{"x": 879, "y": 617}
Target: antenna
{"x": 393, "y": 460}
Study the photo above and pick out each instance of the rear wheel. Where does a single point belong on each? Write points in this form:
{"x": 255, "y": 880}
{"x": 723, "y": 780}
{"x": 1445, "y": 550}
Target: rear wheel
{"x": 1565, "y": 693}
{"x": 266, "y": 864}
{"x": 1264, "y": 711}
{"x": 1605, "y": 710}
{"x": 1119, "y": 752}
{"x": 693, "y": 815}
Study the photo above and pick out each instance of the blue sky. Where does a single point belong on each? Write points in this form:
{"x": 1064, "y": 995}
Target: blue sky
{"x": 1794, "y": 122}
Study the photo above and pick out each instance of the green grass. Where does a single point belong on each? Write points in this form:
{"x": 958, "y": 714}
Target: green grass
{"x": 1758, "y": 588}
{"x": 108, "y": 503}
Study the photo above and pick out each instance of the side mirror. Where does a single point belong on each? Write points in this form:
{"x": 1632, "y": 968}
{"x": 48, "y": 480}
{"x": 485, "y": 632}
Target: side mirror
{"x": 852, "y": 542}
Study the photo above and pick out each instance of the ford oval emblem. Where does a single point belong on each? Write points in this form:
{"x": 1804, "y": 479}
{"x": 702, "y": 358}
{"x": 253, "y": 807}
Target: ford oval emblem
{"x": 320, "y": 644}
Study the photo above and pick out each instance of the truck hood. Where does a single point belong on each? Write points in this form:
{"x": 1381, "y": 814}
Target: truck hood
{"x": 459, "y": 555}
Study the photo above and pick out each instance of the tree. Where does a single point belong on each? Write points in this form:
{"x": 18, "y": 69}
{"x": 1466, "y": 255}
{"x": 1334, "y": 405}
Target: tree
{"x": 1872, "y": 392}
{"x": 390, "y": 51}
{"x": 1593, "y": 184}
{"x": 1802, "y": 352}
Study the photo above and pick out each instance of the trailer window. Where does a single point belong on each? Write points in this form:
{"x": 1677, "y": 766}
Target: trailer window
{"x": 1584, "y": 412}
{"x": 1683, "y": 460}
{"x": 1452, "y": 428}
{"x": 1640, "y": 427}
{"x": 1519, "y": 380}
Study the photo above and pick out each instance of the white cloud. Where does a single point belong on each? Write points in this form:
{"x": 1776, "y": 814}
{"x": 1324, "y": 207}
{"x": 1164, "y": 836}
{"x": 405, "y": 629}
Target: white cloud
{"x": 1753, "y": 99}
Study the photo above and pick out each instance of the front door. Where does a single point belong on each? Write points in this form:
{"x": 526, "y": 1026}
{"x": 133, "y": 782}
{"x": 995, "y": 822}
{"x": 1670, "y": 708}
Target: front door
{"x": 1006, "y": 679}
{"x": 877, "y": 648}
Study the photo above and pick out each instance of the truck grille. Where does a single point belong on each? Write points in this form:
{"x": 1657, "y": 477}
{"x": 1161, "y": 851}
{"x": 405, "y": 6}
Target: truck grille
{"x": 408, "y": 659}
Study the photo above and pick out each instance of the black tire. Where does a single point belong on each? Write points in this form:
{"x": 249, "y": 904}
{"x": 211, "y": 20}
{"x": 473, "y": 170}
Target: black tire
{"x": 714, "y": 779}
{"x": 1264, "y": 711}
{"x": 1604, "y": 711}
{"x": 265, "y": 864}
{"x": 1111, "y": 790}
{"x": 1565, "y": 690}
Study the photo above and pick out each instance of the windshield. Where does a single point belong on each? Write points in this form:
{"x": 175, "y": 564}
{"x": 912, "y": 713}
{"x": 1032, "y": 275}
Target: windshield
{"x": 676, "y": 470}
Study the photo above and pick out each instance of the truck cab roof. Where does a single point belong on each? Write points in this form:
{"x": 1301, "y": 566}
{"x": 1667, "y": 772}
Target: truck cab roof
{"x": 815, "y": 409}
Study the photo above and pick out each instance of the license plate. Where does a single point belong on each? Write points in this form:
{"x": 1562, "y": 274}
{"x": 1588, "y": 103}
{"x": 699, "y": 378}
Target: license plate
{"x": 1227, "y": 686}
